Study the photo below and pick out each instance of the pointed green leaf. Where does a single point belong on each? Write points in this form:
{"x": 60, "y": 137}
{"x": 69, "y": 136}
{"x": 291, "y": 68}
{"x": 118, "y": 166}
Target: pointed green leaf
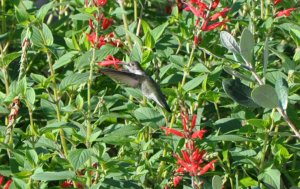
{"x": 238, "y": 92}
{"x": 217, "y": 182}
{"x": 78, "y": 157}
{"x": 190, "y": 85}
{"x": 265, "y": 96}
{"x": 22, "y": 16}
{"x": 237, "y": 74}
{"x": 74, "y": 79}
{"x": 229, "y": 42}
{"x": 53, "y": 176}
{"x": 282, "y": 90}
{"x": 48, "y": 37}
{"x": 158, "y": 31}
{"x": 295, "y": 34}
{"x": 149, "y": 116}
{"x": 30, "y": 95}
{"x": 65, "y": 59}
{"x": 8, "y": 58}
{"x": 247, "y": 45}
{"x": 149, "y": 41}
{"x": 42, "y": 12}
{"x": 271, "y": 177}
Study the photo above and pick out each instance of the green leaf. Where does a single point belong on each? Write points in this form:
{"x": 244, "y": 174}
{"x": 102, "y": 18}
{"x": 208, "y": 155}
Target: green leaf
{"x": 30, "y": 95}
{"x": 229, "y": 42}
{"x": 158, "y": 31}
{"x": 287, "y": 63}
{"x": 136, "y": 53}
{"x": 54, "y": 126}
{"x": 190, "y": 85}
{"x": 80, "y": 16}
{"x": 149, "y": 41}
{"x": 42, "y": 12}
{"x": 149, "y": 116}
{"x": 247, "y": 45}
{"x": 238, "y": 92}
{"x": 237, "y": 74}
{"x": 265, "y": 96}
{"x": 8, "y": 58}
{"x": 271, "y": 177}
{"x": 74, "y": 79}
{"x": 295, "y": 34}
{"x": 248, "y": 181}
{"x": 217, "y": 182}
{"x": 36, "y": 37}
{"x": 229, "y": 138}
{"x": 47, "y": 34}
{"x": 282, "y": 90}
{"x": 22, "y": 86}
{"x": 121, "y": 135}
{"x": 32, "y": 157}
{"x": 53, "y": 176}
{"x": 65, "y": 59}
{"x": 78, "y": 157}
{"x": 22, "y": 16}
{"x": 226, "y": 125}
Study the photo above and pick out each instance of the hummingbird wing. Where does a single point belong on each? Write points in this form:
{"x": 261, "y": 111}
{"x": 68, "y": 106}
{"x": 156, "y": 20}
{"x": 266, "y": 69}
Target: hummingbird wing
{"x": 127, "y": 78}
{"x": 156, "y": 94}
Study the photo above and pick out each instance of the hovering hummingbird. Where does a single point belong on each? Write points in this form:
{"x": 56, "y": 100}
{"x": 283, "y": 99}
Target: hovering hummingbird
{"x": 136, "y": 77}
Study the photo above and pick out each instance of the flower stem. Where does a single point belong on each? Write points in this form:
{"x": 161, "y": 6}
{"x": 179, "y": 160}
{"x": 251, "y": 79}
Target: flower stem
{"x": 125, "y": 25}
{"x": 187, "y": 69}
{"x": 135, "y": 10}
{"x": 56, "y": 99}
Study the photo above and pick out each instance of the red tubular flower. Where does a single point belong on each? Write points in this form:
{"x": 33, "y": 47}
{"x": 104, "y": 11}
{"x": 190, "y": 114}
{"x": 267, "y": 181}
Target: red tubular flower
{"x": 193, "y": 124}
{"x": 208, "y": 166}
{"x": 207, "y": 27}
{"x": 66, "y": 184}
{"x": 110, "y": 60}
{"x": 91, "y": 24}
{"x": 176, "y": 180}
{"x": 215, "y": 4}
{"x": 200, "y": 12}
{"x": 173, "y": 131}
{"x": 8, "y": 183}
{"x": 92, "y": 37}
{"x": 186, "y": 156}
{"x": 277, "y": 1}
{"x": 100, "y": 3}
{"x": 184, "y": 119}
{"x": 106, "y": 22}
{"x": 220, "y": 14}
{"x": 199, "y": 134}
{"x": 1, "y": 179}
{"x": 286, "y": 12}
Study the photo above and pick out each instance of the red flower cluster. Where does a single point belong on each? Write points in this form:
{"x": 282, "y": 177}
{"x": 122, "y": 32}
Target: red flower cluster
{"x": 69, "y": 184}
{"x": 191, "y": 160}
{"x": 7, "y": 184}
{"x": 110, "y": 60}
{"x": 200, "y": 9}
{"x": 286, "y": 12}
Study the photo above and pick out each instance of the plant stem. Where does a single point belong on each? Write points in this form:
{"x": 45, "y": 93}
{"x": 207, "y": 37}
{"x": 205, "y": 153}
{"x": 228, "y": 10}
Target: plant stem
{"x": 262, "y": 8}
{"x": 289, "y": 122}
{"x": 56, "y": 99}
{"x": 3, "y": 16}
{"x": 6, "y": 82}
{"x": 187, "y": 69}
{"x": 135, "y": 10}
{"x": 217, "y": 110}
{"x": 125, "y": 25}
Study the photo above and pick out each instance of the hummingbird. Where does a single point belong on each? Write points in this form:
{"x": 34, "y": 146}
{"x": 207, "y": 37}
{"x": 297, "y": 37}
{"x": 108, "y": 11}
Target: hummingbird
{"x": 136, "y": 77}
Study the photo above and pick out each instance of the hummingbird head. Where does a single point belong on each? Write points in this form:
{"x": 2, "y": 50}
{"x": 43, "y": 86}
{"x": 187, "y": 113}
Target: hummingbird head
{"x": 135, "y": 67}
